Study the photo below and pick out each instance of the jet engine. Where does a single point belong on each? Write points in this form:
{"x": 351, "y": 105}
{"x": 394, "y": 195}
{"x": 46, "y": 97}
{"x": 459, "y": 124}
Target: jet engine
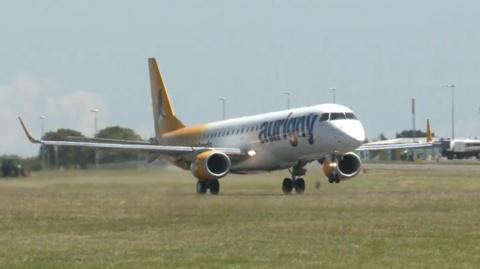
{"x": 210, "y": 165}
{"x": 342, "y": 167}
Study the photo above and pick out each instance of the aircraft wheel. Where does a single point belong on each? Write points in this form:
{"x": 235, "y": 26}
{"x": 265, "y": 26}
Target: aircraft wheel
{"x": 214, "y": 186}
{"x": 299, "y": 186}
{"x": 333, "y": 179}
{"x": 202, "y": 187}
{"x": 287, "y": 185}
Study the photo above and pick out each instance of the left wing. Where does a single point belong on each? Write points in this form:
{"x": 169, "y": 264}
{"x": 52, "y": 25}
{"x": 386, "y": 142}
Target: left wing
{"x": 133, "y": 145}
{"x": 107, "y": 140}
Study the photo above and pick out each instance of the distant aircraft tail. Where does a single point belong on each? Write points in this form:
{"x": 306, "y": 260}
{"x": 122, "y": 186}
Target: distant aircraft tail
{"x": 163, "y": 114}
{"x": 429, "y": 132}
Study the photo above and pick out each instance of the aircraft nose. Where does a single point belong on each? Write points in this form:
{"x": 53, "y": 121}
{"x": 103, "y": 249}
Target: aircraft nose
{"x": 356, "y": 131}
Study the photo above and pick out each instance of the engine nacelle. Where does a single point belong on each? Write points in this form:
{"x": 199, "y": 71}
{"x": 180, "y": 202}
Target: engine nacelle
{"x": 345, "y": 167}
{"x": 210, "y": 165}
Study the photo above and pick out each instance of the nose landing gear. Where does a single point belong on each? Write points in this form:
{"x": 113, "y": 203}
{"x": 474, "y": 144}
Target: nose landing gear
{"x": 334, "y": 178}
{"x": 204, "y": 185}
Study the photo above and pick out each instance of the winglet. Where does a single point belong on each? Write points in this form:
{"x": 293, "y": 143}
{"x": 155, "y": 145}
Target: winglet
{"x": 27, "y": 133}
{"x": 429, "y": 132}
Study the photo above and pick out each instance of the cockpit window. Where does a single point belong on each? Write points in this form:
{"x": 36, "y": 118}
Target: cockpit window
{"x": 350, "y": 116}
{"x": 337, "y": 116}
{"x": 324, "y": 117}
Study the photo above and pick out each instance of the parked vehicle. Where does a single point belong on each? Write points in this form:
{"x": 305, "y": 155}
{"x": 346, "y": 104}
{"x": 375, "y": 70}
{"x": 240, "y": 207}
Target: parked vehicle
{"x": 460, "y": 148}
{"x": 12, "y": 168}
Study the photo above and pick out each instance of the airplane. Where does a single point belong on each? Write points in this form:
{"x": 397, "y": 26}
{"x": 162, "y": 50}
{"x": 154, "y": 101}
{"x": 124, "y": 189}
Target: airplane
{"x": 287, "y": 139}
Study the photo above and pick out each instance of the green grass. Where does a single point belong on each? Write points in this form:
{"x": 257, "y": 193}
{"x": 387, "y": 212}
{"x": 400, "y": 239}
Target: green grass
{"x": 154, "y": 219}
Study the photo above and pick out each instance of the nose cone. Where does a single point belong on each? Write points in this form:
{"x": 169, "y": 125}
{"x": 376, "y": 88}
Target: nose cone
{"x": 353, "y": 134}
{"x": 355, "y": 130}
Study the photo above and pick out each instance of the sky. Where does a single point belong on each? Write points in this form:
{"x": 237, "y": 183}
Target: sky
{"x": 62, "y": 58}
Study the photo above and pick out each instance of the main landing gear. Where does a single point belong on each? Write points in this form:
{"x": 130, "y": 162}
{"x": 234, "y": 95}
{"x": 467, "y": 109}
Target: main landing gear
{"x": 290, "y": 184}
{"x": 204, "y": 185}
{"x": 295, "y": 182}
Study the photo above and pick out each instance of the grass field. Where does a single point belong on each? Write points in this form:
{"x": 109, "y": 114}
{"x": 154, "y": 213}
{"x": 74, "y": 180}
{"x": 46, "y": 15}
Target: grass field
{"x": 386, "y": 218}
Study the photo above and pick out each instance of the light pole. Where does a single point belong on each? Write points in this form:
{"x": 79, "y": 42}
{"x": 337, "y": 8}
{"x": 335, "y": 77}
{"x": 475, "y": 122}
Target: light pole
{"x": 414, "y": 131}
{"x": 42, "y": 125}
{"x": 333, "y": 94}
{"x": 95, "y": 122}
{"x": 224, "y": 102}
{"x": 42, "y": 147}
{"x": 95, "y": 126}
{"x": 287, "y": 93}
{"x": 452, "y": 88}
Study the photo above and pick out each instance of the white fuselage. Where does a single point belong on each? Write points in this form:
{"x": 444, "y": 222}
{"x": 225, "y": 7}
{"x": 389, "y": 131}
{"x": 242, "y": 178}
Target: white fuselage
{"x": 278, "y": 140}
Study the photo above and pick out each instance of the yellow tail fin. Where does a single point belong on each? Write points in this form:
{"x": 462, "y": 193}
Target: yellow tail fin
{"x": 163, "y": 114}
{"x": 429, "y": 132}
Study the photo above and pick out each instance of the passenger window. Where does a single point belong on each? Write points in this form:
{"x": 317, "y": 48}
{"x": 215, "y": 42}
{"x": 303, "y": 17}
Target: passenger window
{"x": 324, "y": 117}
{"x": 337, "y": 116}
{"x": 350, "y": 116}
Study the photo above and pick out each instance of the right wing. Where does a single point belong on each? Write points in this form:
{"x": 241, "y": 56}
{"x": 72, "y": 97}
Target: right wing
{"x": 132, "y": 145}
{"x": 399, "y": 143}
{"x": 393, "y": 144}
